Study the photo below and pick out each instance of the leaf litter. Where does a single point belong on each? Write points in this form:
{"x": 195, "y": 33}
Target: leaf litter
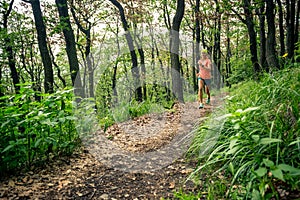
{"x": 82, "y": 176}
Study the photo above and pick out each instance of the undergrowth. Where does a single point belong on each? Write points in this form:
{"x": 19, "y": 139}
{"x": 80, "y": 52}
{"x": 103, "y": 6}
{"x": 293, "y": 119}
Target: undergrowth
{"x": 34, "y": 130}
{"x": 253, "y": 142}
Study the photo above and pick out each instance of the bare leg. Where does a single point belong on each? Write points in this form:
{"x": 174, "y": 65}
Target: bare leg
{"x": 208, "y": 94}
{"x": 207, "y": 91}
{"x": 200, "y": 91}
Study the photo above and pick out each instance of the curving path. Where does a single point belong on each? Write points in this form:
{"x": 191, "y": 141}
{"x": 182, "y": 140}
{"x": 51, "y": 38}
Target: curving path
{"x": 142, "y": 159}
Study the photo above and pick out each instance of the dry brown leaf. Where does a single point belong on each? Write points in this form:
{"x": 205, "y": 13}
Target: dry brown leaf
{"x": 92, "y": 184}
{"x": 187, "y": 171}
{"x": 50, "y": 184}
{"x": 30, "y": 181}
{"x": 11, "y": 183}
{"x": 79, "y": 194}
{"x": 63, "y": 183}
{"x": 25, "y": 179}
{"x": 172, "y": 185}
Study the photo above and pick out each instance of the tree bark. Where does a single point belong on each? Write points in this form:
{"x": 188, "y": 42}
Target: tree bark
{"x": 262, "y": 60}
{"x": 290, "y": 23}
{"x": 281, "y": 28}
{"x": 43, "y": 47}
{"x": 228, "y": 57}
{"x": 143, "y": 69}
{"x": 217, "y": 46}
{"x": 297, "y": 27}
{"x": 70, "y": 46}
{"x": 175, "y": 64}
{"x": 252, "y": 37}
{"x": 87, "y": 33}
{"x": 197, "y": 48}
{"x": 9, "y": 49}
{"x": 139, "y": 44}
{"x": 1, "y": 87}
{"x": 271, "y": 43}
{"x": 134, "y": 68}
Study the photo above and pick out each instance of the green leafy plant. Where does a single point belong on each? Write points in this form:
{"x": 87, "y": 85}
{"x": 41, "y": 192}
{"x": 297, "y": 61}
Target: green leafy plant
{"x": 33, "y": 130}
{"x": 254, "y": 140}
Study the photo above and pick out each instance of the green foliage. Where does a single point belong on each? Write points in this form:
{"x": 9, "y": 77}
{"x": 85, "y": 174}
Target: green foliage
{"x": 242, "y": 69}
{"x": 32, "y": 130}
{"x": 254, "y": 140}
{"x": 125, "y": 111}
{"x": 183, "y": 196}
{"x": 123, "y": 106}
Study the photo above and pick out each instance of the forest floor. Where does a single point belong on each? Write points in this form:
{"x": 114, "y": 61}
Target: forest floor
{"x": 142, "y": 158}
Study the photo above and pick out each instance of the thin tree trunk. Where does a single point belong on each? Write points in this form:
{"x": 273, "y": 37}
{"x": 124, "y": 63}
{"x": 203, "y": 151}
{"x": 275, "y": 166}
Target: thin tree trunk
{"x": 202, "y": 34}
{"x": 42, "y": 42}
{"x": 217, "y": 47}
{"x": 271, "y": 43}
{"x": 87, "y": 33}
{"x": 9, "y": 49}
{"x": 281, "y": 28}
{"x": 139, "y": 45}
{"x": 175, "y": 64}
{"x": 290, "y": 23}
{"x": 58, "y": 69}
{"x": 197, "y": 47}
{"x": 228, "y": 57}
{"x": 297, "y": 26}
{"x": 134, "y": 68}
{"x": 70, "y": 46}
{"x": 115, "y": 68}
{"x": 262, "y": 60}
{"x": 1, "y": 87}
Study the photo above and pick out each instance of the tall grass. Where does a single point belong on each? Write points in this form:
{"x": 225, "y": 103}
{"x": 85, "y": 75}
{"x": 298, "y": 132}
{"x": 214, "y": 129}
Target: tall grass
{"x": 255, "y": 140}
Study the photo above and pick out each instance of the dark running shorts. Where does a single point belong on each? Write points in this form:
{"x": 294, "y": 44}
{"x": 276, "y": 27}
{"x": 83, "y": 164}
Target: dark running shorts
{"x": 206, "y": 81}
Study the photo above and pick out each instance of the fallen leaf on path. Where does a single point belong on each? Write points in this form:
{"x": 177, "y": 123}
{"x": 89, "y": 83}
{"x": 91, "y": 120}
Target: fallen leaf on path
{"x": 79, "y": 194}
{"x": 63, "y": 183}
{"x": 11, "y": 183}
{"x": 172, "y": 185}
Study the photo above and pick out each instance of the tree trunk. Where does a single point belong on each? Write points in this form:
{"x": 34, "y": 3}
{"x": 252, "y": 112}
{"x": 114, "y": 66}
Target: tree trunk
{"x": 58, "y": 69}
{"x": 227, "y": 72}
{"x": 42, "y": 42}
{"x": 202, "y": 34}
{"x": 290, "y": 22}
{"x": 134, "y": 68}
{"x": 87, "y": 33}
{"x": 175, "y": 64}
{"x": 1, "y": 87}
{"x": 297, "y": 27}
{"x": 197, "y": 48}
{"x": 281, "y": 29}
{"x": 252, "y": 37}
{"x": 115, "y": 68}
{"x": 139, "y": 45}
{"x": 9, "y": 50}
{"x": 217, "y": 47}
{"x": 262, "y": 60}
{"x": 271, "y": 43}
{"x": 70, "y": 46}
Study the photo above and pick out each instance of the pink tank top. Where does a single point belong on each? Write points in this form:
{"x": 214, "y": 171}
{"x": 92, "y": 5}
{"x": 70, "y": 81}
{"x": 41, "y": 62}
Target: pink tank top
{"x": 204, "y": 73}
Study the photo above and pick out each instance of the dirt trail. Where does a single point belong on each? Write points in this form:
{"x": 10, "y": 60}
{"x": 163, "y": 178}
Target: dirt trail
{"x": 139, "y": 159}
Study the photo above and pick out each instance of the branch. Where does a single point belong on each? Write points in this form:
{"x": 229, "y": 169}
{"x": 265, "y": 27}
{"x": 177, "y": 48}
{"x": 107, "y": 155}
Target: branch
{"x": 77, "y": 21}
{"x": 239, "y": 16}
{"x": 189, "y": 24}
{"x": 8, "y": 11}
{"x": 26, "y": 1}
